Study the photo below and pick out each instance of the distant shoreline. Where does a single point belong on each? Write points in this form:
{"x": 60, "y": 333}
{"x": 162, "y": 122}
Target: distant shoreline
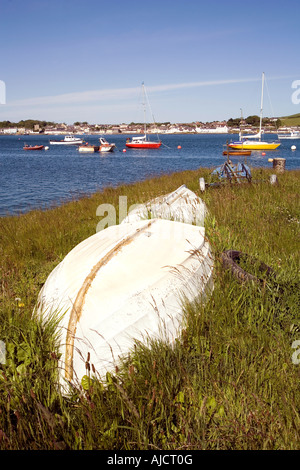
{"x": 231, "y": 126}
{"x": 208, "y": 132}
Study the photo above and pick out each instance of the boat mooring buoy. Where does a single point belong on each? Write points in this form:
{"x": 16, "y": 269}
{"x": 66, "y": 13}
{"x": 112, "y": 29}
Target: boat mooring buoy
{"x": 46, "y": 148}
{"x": 124, "y": 150}
{"x": 263, "y": 154}
{"x": 179, "y": 146}
{"x": 293, "y": 147}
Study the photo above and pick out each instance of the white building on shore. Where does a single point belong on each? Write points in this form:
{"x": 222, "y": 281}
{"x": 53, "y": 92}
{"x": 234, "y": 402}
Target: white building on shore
{"x": 212, "y": 130}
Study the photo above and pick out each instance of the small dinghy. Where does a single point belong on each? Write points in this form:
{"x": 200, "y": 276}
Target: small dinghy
{"x": 105, "y": 146}
{"x": 182, "y": 205}
{"x": 233, "y": 153}
{"x": 126, "y": 282}
{"x": 68, "y": 140}
{"x": 86, "y": 148}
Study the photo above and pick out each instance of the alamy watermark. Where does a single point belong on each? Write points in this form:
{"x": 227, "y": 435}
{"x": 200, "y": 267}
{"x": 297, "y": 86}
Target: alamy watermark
{"x": 109, "y": 213}
{"x": 2, "y": 92}
{"x": 296, "y": 93}
{"x": 191, "y": 214}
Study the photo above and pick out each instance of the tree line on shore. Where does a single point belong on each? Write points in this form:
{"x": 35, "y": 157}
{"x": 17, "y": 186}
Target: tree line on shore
{"x": 253, "y": 121}
{"x": 28, "y": 124}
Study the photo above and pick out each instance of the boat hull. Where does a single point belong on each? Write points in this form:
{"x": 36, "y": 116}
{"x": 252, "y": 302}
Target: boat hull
{"x": 289, "y": 137}
{"x": 143, "y": 145}
{"x": 104, "y": 302}
{"x": 88, "y": 149}
{"x": 106, "y": 148}
{"x": 237, "y": 152}
{"x": 34, "y": 147}
{"x": 61, "y": 142}
{"x": 254, "y": 145}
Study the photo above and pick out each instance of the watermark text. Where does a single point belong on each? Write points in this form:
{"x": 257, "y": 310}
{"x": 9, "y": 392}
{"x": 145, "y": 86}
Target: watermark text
{"x": 296, "y": 93}
{"x": 2, "y": 92}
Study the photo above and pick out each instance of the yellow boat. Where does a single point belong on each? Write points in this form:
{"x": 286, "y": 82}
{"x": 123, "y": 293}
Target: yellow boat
{"x": 246, "y": 143}
{"x": 256, "y": 145}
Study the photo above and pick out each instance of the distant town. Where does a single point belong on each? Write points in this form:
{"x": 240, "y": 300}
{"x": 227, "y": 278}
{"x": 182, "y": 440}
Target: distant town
{"x": 248, "y": 125}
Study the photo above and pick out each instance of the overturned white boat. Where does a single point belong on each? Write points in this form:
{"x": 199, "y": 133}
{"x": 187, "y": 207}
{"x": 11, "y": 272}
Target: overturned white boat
{"x": 182, "y": 205}
{"x": 126, "y": 282}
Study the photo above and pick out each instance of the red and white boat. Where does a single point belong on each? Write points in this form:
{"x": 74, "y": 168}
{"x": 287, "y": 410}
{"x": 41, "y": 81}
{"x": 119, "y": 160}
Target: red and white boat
{"x": 105, "y": 146}
{"x": 143, "y": 142}
{"x": 33, "y": 147}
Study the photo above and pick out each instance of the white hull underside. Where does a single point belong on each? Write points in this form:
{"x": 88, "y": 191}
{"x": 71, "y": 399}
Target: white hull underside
{"x": 77, "y": 142}
{"x": 126, "y": 282}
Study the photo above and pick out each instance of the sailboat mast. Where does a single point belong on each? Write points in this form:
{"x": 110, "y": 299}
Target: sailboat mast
{"x": 241, "y": 128}
{"x": 144, "y": 104}
{"x": 261, "y": 104}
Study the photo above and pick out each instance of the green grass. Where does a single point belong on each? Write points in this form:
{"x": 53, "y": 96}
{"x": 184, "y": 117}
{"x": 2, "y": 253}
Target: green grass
{"x": 228, "y": 382}
{"x": 293, "y": 120}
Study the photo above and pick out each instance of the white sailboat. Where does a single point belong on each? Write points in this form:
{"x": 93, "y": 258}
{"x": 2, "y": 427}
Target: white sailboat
{"x": 143, "y": 142}
{"x": 255, "y": 142}
{"x": 291, "y": 135}
{"x": 68, "y": 140}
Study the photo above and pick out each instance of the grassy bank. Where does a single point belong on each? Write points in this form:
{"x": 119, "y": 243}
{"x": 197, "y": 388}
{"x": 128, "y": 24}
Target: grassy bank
{"x": 293, "y": 120}
{"x": 228, "y": 383}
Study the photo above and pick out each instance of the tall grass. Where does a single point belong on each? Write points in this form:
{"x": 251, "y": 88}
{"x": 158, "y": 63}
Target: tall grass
{"x": 228, "y": 382}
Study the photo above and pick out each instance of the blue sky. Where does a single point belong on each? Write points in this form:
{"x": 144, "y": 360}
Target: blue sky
{"x": 68, "y": 61}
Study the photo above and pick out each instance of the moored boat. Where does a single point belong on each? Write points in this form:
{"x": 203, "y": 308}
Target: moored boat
{"x": 237, "y": 152}
{"x": 246, "y": 142}
{"x": 143, "y": 142}
{"x": 86, "y": 148}
{"x": 33, "y": 147}
{"x": 68, "y": 140}
{"x": 256, "y": 145}
{"x": 105, "y": 146}
{"x": 291, "y": 135}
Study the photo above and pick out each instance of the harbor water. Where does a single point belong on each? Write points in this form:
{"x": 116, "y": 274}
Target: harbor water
{"x": 46, "y": 178}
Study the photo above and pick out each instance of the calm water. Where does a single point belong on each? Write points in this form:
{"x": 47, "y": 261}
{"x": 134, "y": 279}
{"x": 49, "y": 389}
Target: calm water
{"x": 41, "y": 179}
